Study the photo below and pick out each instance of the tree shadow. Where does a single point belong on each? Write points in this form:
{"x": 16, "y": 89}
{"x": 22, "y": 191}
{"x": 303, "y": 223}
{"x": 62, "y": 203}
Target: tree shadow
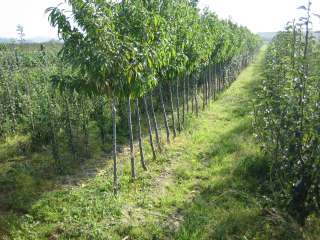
{"x": 26, "y": 175}
{"x": 234, "y": 202}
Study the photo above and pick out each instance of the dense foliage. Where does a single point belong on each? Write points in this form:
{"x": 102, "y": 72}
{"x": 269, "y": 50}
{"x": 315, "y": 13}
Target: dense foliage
{"x": 160, "y": 55}
{"x": 288, "y": 117}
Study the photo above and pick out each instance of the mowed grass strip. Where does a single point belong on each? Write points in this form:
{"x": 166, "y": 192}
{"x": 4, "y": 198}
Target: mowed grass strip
{"x": 208, "y": 184}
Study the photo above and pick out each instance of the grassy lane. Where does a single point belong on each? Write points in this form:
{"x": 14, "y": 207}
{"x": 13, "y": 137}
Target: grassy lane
{"x": 207, "y": 185}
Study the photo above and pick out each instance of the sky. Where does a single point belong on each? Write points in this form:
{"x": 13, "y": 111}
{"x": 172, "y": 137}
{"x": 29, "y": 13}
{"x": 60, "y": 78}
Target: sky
{"x": 261, "y": 15}
{"x": 258, "y": 15}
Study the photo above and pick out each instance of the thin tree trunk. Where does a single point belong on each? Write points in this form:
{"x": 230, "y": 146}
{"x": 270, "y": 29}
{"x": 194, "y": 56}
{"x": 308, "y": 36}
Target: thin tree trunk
{"x": 188, "y": 87}
{"x": 149, "y": 128}
{"x": 224, "y": 77}
{"x": 69, "y": 131}
{"x": 85, "y": 130}
{"x": 184, "y": 100}
{"x": 55, "y": 149}
{"x": 29, "y": 103}
{"x": 114, "y": 127}
{"x": 228, "y": 76}
{"x": 84, "y": 121}
{"x": 231, "y": 73}
{"x": 218, "y": 78}
{"x": 11, "y": 103}
{"x": 221, "y": 77}
{"x": 192, "y": 95}
{"x": 196, "y": 98}
{"x": 204, "y": 91}
{"x": 100, "y": 121}
{"x": 86, "y": 140}
{"x": 132, "y": 160}
{"x": 54, "y": 142}
{"x": 210, "y": 84}
{"x": 215, "y": 82}
{"x": 213, "y": 79}
{"x": 172, "y": 113}
{"x": 206, "y": 82}
{"x": 165, "y": 118}
{"x": 155, "y": 123}
{"x": 139, "y": 136}
{"x": 178, "y": 106}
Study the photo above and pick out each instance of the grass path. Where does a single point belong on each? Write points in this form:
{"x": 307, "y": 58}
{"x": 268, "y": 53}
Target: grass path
{"x": 207, "y": 185}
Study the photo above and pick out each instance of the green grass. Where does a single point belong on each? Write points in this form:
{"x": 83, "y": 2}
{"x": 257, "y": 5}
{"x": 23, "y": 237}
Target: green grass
{"x": 210, "y": 183}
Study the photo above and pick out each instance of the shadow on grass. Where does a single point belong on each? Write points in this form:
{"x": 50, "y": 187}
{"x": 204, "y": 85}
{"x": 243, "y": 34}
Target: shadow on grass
{"x": 233, "y": 210}
{"x": 233, "y": 202}
{"x": 25, "y": 175}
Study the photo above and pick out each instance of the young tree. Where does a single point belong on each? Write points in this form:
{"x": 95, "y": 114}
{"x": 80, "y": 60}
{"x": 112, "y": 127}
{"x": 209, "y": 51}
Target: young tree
{"x": 21, "y": 34}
